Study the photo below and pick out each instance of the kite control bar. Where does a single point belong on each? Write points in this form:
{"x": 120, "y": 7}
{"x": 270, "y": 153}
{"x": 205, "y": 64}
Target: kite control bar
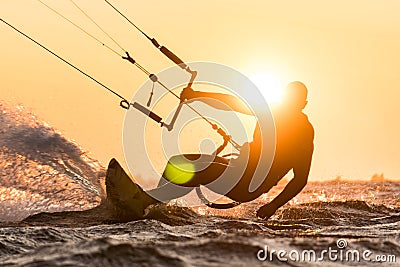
{"x": 153, "y": 115}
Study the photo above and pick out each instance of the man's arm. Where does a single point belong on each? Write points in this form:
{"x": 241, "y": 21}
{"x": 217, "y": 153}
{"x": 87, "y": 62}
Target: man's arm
{"x": 301, "y": 171}
{"x": 294, "y": 187}
{"x": 216, "y": 100}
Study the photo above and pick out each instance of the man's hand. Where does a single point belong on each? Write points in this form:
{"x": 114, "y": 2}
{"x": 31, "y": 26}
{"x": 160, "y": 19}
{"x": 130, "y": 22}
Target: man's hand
{"x": 266, "y": 211}
{"x": 187, "y": 94}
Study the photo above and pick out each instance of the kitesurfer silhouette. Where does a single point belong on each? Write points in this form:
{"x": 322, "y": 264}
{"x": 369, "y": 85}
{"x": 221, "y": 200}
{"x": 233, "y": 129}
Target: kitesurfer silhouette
{"x": 294, "y": 150}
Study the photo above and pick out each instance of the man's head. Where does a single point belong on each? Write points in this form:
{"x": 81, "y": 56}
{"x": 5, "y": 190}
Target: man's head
{"x": 295, "y": 96}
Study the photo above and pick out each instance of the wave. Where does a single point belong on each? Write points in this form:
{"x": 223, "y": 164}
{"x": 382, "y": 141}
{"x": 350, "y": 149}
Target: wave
{"x": 202, "y": 241}
{"x": 97, "y": 252}
{"x": 355, "y": 213}
{"x": 41, "y": 170}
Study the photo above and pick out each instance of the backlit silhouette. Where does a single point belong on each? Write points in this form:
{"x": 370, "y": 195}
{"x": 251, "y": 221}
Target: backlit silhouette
{"x": 294, "y": 149}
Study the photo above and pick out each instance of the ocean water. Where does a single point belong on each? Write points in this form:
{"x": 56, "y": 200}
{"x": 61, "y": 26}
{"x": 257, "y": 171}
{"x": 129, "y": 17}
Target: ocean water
{"x": 54, "y": 213}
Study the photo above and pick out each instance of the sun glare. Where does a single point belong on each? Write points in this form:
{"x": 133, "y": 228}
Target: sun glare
{"x": 269, "y": 85}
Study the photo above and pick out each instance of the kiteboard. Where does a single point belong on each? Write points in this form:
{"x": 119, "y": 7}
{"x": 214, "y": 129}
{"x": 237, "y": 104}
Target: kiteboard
{"x": 126, "y": 196}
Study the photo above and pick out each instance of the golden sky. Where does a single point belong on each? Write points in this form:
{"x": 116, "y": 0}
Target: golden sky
{"x": 346, "y": 52}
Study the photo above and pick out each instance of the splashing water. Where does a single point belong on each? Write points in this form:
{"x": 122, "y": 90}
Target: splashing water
{"x": 40, "y": 170}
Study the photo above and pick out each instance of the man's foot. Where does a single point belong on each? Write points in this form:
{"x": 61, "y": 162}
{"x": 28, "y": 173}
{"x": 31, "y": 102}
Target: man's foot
{"x": 266, "y": 211}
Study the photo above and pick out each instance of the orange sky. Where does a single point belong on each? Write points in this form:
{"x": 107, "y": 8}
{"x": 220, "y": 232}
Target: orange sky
{"x": 346, "y": 52}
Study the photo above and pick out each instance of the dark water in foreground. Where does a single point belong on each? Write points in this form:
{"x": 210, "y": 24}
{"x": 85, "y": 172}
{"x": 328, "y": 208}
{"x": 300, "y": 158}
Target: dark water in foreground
{"x": 40, "y": 171}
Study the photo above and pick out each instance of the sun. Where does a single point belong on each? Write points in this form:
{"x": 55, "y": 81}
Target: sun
{"x": 269, "y": 85}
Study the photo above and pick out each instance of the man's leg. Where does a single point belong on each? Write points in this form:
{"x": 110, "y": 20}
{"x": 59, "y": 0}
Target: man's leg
{"x": 185, "y": 172}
